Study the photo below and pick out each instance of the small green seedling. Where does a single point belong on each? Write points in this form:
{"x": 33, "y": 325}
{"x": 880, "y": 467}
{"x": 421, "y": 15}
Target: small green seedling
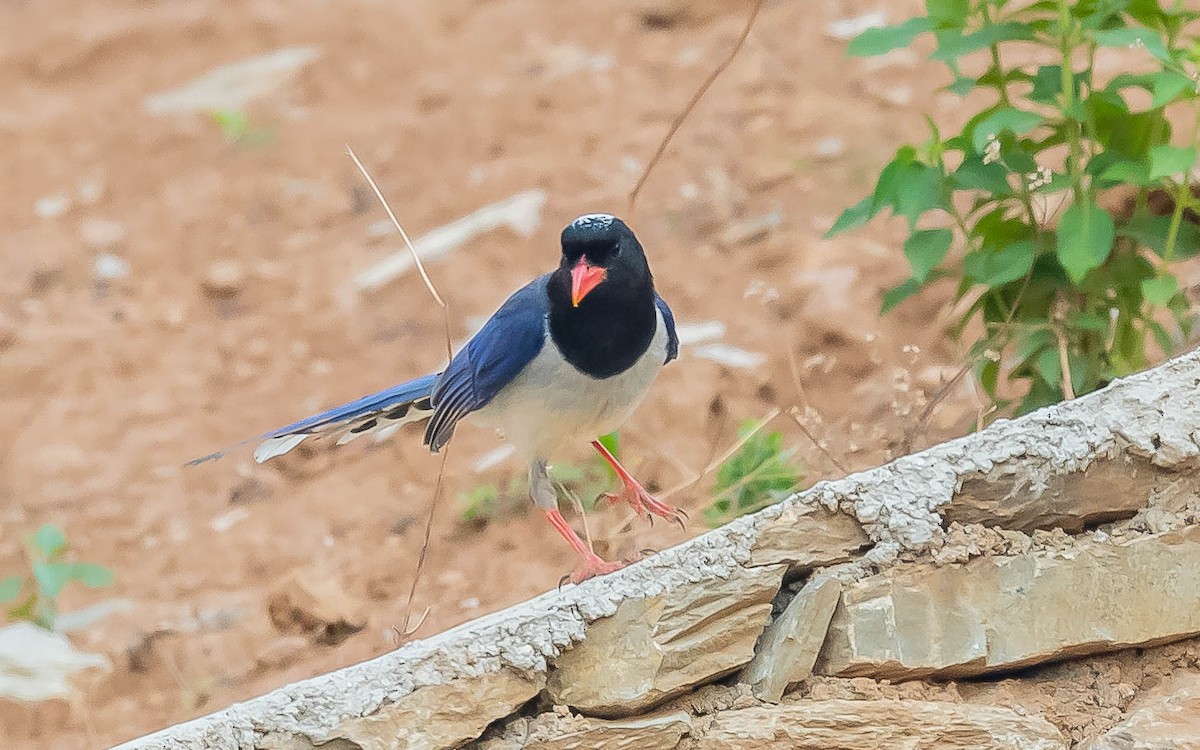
{"x": 761, "y": 473}
{"x": 34, "y": 596}
{"x": 237, "y": 130}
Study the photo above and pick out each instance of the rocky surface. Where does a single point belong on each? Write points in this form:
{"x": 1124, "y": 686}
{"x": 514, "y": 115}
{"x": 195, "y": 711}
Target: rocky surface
{"x": 955, "y": 562}
{"x": 656, "y": 647}
{"x": 1167, "y": 720}
{"x": 790, "y": 646}
{"x": 1007, "y": 612}
{"x": 871, "y": 725}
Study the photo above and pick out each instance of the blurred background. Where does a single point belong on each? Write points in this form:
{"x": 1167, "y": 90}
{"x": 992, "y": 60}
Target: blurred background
{"x": 183, "y": 249}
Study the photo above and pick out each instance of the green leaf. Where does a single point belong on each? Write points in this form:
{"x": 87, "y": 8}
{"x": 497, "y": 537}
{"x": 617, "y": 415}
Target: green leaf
{"x": 918, "y": 189}
{"x": 973, "y": 174}
{"x": 925, "y": 249}
{"x": 611, "y": 441}
{"x": 51, "y": 577}
{"x": 1160, "y": 290}
{"x": 1167, "y": 86}
{"x": 962, "y": 85}
{"x": 1084, "y": 239}
{"x": 1131, "y": 172}
{"x": 1151, "y": 231}
{"x": 953, "y": 44}
{"x": 91, "y": 574}
{"x": 10, "y": 588}
{"x": 997, "y": 267}
{"x": 1130, "y": 134}
{"x": 882, "y": 40}
{"x": 1166, "y": 161}
{"x": 896, "y": 295}
{"x": 1161, "y": 337}
{"x": 948, "y": 13}
{"x": 854, "y": 217}
{"x": 1008, "y": 118}
{"x": 1135, "y": 36}
{"x": 50, "y": 541}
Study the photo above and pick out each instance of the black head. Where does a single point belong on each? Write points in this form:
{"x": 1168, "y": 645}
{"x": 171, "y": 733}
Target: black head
{"x": 602, "y": 257}
{"x": 602, "y": 313}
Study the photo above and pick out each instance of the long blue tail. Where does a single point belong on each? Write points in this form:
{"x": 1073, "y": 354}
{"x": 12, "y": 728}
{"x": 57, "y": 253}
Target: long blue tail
{"x": 380, "y": 413}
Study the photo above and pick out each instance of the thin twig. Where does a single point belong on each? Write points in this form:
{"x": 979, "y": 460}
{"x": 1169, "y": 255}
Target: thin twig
{"x": 716, "y": 462}
{"x": 587, "y": 532}
{"x": 409, "y": 627}
{"x": 408, "y": 243}
{"x": 687, "y": 110}
{"x": 1065, "y": 365}
{"x": 794, "y": 366}
{"x": 794, "y": 412}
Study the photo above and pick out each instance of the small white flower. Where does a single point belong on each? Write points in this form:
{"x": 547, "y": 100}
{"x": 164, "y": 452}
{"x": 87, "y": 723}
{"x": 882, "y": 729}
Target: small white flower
{"x": 991, "y": 151}
{"x": 1039, "y": 179}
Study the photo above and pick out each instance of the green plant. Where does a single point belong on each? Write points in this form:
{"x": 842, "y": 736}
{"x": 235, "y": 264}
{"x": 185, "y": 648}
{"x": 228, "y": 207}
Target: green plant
{"x": 1069, "y": 294}
{"x": 36, "y": 593}
{"x": 237, "y": 129}
{"x": 760, "y": 473}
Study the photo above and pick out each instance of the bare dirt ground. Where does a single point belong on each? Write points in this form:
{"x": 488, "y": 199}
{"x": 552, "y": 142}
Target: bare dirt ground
{"x": 108, "y": 388}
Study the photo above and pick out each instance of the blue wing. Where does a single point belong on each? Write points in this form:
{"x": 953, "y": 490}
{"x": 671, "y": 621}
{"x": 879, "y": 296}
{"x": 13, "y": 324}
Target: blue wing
{"x": 669, "y": 320}
{"x": 510, "y": 339}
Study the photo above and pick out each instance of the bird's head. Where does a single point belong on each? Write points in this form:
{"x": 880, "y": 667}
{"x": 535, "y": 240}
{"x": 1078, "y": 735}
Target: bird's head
{"x": 601, "y": 258}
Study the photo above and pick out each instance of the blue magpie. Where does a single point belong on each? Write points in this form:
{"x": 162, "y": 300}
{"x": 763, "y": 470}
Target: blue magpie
{"x": 568, "y": 357}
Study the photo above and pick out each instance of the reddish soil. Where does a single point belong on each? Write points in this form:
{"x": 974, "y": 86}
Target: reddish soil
{"x": 108, "y": 389}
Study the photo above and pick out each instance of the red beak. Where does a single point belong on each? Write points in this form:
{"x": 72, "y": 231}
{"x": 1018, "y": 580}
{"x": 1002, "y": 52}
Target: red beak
{"x": 585, "y": 278}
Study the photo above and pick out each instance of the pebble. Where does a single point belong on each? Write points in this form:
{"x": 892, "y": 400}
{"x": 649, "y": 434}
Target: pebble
{"x": 224, "y": 279}
{"x": 102, "y": 235}
{"x": 830, "y": 148}
{"x": 844, "y": 29}
{"x": 8, "y": 332}
{"x": 52, "y": 206}
{"x": 281, "y": 652}
{"x": 109, "y": 267}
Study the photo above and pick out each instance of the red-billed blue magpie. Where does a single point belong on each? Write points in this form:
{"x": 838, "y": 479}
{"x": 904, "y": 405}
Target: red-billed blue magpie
{"x": 566, "y": 358}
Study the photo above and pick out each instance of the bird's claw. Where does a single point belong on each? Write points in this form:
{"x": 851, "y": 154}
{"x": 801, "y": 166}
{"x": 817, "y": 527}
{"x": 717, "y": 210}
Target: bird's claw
{"x": 592, "y": 566}
{"x": 646, "y": 506}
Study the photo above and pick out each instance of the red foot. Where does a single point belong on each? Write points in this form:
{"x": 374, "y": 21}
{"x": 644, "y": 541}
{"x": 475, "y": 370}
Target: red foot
{"x": 593, "y": 565}
{"x": 632, "y": 492}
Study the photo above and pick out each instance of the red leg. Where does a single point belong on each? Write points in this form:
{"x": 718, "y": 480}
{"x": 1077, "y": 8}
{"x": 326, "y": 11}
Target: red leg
{"x": 593, "y": 564}
{"x": 642, "y": 502}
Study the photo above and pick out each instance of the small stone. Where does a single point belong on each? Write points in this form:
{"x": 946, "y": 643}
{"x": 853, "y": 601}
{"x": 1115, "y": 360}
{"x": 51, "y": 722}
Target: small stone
{"x": 52, "y": 206}
{"x": 281, "y": 652}
{"x": 844, "y": 29}
{"x": 224, "y": 279}
{"x": 830, "y": 148}
{"x": 249, "y": 490}
{"x": 102, "y": 235}
{"x": 9, "y": 331}
{"x": 316, "y": 608}
{"x": 789, "y": 647}
{"x": 108, "y": 267}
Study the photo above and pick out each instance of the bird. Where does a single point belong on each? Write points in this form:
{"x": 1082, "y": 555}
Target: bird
{"x": 565, "y": 359}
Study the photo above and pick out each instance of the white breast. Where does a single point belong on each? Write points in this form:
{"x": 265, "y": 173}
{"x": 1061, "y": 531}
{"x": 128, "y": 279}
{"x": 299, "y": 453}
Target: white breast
{"x": 551, "y": 405}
